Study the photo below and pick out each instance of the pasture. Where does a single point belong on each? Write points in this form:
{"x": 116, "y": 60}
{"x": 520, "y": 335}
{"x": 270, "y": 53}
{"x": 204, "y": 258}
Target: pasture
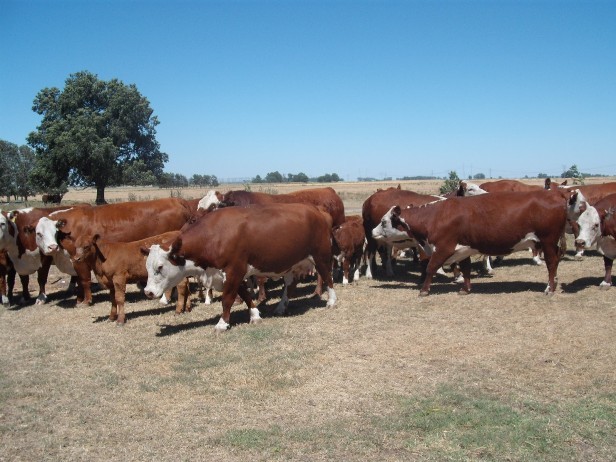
{"x": 505, "y": 373}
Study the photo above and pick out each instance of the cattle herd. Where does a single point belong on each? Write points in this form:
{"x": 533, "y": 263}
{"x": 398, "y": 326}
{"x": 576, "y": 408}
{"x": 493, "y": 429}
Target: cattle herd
{"x": 233, "y": 243}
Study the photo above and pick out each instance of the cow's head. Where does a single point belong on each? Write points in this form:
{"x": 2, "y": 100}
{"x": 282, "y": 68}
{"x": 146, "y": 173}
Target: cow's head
{"x": 576, "y": 199}
{"x": 166, "y": 268}
{"x": 7, "y": 230}
{"x": 392, "y": 228}
{"x": 589, "y": 224}
{"x": 46, "y": 235}
{"x": 85, "y": 248}
{"x": 210, "y": 201}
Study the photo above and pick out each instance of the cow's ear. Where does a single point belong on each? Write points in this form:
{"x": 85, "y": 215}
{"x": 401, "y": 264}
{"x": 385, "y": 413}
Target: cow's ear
{"x": 95, "y": 238}
{"x": 573, "y": 197}
{"x": 396, "y": 211}
{"x": 61, "y": 224}
{"x": 13, "y": 214}
{"x": 145, "y": 250}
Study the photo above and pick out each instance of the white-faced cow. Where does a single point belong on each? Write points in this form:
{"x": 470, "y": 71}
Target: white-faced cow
{"x": 373, "y": 210}
{"x": 278, "y": 240}
{"x": 493, "y": 224}
{"x": 17, "y": 237}
{"x": 597, "y": 226}
{"x": 122, "y": 222}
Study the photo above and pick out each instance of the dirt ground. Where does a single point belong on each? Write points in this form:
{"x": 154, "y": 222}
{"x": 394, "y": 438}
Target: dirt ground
{"x": 341, "y": 383}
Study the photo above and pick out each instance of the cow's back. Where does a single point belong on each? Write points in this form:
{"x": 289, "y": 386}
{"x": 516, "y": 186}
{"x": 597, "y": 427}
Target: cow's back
{"x": 595, "y": 192}
{"x": 126, "y": 221}
{"x": 509, "y": 186}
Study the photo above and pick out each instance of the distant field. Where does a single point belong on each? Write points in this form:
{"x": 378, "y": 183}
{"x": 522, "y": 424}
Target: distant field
{"x": 505, "y": 373}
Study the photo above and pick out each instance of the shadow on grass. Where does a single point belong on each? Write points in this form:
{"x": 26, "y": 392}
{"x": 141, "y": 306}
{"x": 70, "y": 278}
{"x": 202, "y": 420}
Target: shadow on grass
{"x": 580, "y": 284}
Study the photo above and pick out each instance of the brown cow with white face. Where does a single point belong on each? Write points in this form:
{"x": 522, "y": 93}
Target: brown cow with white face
{"x": 122, "y": 222}
{"x": 373, "y": 210}
{"x": 597, "y": 226}
{"x": 493, "y": 224}
{"x": 278, "y": 240}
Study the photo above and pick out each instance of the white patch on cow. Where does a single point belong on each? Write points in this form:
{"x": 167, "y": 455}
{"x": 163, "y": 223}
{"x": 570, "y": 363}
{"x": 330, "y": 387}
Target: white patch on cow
{"x": 255, "y": 316}
{"x": 474, "y": 190}
{"x": 573, "y": 210}
{"x": 46, "y": 235}
{"x": 460, "y": 253}
{"x": 356, "y": 275}
{"x": 222, "y": 326}
{"x": 302, "y": 268}
{"x": 537, "y": 260}
{"x": 162, "y": 274}
{"x": 24, "y": 264}
{"x": 385, "y": 231}
{"x": 163, "y": 300}
{"x": 590, "y": 228}
{"x": 331, "y": 297}
{"x": 345, "y": 281}
{"x": 527, "y": 242}
{"x": 208, "y": 200}
{"x": 62, "y": 260}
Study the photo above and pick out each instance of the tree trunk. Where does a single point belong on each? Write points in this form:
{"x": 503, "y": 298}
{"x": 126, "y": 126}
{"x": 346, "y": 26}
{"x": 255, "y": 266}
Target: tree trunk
{"x": 100, "y": 195}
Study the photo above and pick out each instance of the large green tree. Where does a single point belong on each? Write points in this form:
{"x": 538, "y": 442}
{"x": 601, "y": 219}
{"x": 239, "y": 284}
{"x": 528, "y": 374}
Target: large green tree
{"x": 16, "y": 163}
{"x": 91, "y": 132}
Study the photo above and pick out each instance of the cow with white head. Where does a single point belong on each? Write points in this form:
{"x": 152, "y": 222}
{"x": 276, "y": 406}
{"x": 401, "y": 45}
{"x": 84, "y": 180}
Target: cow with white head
{"x": 597, "y": 227}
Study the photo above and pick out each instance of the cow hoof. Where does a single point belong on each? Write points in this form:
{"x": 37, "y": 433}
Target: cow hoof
{"x": 463, "y": 292}
{"x": 578, "y": 257}
{"x": 5, "y": 301}
{"x": 221, "y": 327}
{"x": 604, "y": 286}
{"x": 424, "y": 293}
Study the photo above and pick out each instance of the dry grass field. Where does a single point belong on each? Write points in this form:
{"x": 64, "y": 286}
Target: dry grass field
{"x": 505, "y": 373}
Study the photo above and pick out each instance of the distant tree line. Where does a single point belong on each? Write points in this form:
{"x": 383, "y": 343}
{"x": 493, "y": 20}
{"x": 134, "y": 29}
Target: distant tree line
{"x": 277, "y": 177}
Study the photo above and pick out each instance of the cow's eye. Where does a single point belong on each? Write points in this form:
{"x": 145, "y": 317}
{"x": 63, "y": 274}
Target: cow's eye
{"x": 159, "y": 270}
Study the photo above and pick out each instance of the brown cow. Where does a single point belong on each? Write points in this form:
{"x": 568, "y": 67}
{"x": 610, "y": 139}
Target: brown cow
{"x": 373, "y": 210}
{"x": 122, "y": 222}
{"x": 270, "y": 240}
{"x": 492, "y": 224}
{"x": 349, "y": 239}
{"x": 119, "y": 263}
{"x": 326, "y": 198}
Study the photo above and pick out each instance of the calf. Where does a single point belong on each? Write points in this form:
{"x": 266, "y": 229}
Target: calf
{"x": 597, "y": 226}
{"x": 492, "y": 224}
{"x": 278, "y": 240}
{"x": 118, "y": 263}
{"x": 348, "y": 246}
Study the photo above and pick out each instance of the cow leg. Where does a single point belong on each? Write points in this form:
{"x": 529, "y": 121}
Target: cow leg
{"x": 84, "y": 292}
{"x": 262, "y": 293}
{"x": 550, "y": 253}
{"x": 437, "y": 259}
{"x": 119, "y": 286}
{"x": 245, "y": 293}
{"x": 72, "y": 285}
{"x": 10, "y": 280}
{"x": 229, "y": 293}
{"x": 465, "y": 267}
{"x": 487, "y": 265}
{"x": 387, "y": 260}
{"x": 370, "y": 257}
{"x": 607, "y": 281}
{"x": 183, "y": 302}
{"x": 42, "y": 274}
{"x": 25, "y": 292}
{"x": 536, "y": 257}
{"x": 346, "y": 270}
{"x": 324, "y": 270}
{"x": 113, "y": 314}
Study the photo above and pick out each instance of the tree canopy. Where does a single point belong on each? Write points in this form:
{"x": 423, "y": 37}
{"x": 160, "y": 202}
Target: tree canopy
{"x": 16, "y": 164}
{"x": 93, "y": 133}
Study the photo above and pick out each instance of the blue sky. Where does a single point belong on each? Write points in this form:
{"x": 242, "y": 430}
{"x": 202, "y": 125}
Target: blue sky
{"x": 359, "y": 88}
